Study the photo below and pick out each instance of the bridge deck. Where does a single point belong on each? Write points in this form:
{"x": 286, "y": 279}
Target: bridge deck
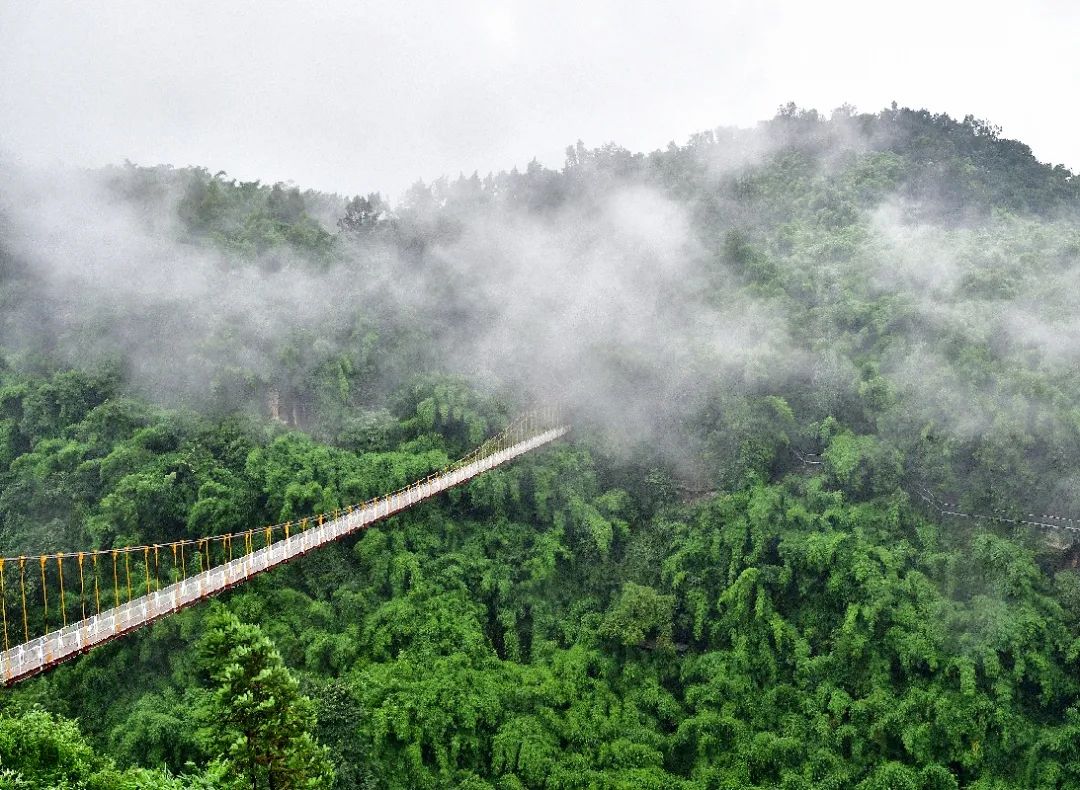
{"x": 34, "y": 656}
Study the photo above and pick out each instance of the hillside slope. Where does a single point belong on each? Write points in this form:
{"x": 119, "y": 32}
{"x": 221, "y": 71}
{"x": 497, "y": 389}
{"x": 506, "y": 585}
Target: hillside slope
{"x": 772, "y": 343}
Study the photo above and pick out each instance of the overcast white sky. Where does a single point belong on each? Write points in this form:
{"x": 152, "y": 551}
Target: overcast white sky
{"x": 354, "y": 97}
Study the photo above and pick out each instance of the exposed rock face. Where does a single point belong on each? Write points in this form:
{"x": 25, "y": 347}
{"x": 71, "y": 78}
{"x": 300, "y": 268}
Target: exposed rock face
{"x": 291, "y": 409}
{"x": 273, "y": 405}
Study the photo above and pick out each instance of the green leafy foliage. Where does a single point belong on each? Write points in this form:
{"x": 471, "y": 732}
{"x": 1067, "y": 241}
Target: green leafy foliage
{"x": 255, "y": 718}
{"x": 771, "y": 606}
{"x": 39, "y": 751}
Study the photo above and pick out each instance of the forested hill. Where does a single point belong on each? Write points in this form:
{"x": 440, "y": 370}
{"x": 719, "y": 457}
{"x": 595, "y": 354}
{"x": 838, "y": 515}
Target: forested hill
{"x": 773, "y": 343}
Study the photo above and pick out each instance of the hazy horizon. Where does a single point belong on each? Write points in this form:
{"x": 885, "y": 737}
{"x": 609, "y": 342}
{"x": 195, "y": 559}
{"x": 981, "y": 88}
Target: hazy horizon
{"x": 351, "y": 98}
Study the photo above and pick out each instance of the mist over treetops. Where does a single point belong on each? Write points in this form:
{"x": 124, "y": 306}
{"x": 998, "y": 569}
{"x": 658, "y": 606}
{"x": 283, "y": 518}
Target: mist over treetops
{"x": 784, "y": 350}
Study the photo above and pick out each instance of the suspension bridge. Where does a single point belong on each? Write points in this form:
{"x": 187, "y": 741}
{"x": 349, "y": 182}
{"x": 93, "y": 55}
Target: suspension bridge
{"x": 1067, "y": 529}
{"x": 194, "y": 570}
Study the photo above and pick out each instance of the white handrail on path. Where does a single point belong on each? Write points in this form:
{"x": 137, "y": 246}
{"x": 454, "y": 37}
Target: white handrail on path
{"x": 28, "y": 659}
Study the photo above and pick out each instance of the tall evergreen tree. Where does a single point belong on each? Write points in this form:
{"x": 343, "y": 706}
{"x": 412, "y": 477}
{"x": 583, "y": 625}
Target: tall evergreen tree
{"x": 255, "y": 719}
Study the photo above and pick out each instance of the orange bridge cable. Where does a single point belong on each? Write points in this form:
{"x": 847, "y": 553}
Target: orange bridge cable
{"x": 22, "y": 585}
{"x": 3, "y": 596}
{"x": 44, "y": 594}
{"x": 63, "y": 603}
{"x": 115, "y": 578}
{"x": 82, "y": 587}
{"x": 97, "y": 594}
{"x": 204, "y": 546}
{"x": 146, "y": 567}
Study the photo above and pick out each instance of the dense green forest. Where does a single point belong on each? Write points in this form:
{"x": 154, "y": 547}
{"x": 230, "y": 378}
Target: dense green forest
{"x": 774, "y": 345}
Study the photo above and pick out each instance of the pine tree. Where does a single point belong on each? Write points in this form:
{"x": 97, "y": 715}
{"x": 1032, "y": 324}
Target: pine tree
{"x": 255, "y": 719}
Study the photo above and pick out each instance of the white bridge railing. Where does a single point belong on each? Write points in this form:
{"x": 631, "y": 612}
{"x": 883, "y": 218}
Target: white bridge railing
{"x": 38, "y": 654}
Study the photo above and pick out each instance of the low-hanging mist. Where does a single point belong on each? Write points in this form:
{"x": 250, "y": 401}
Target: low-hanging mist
{"x": 834, "y": 264}
{"x": 820, "y": 373}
